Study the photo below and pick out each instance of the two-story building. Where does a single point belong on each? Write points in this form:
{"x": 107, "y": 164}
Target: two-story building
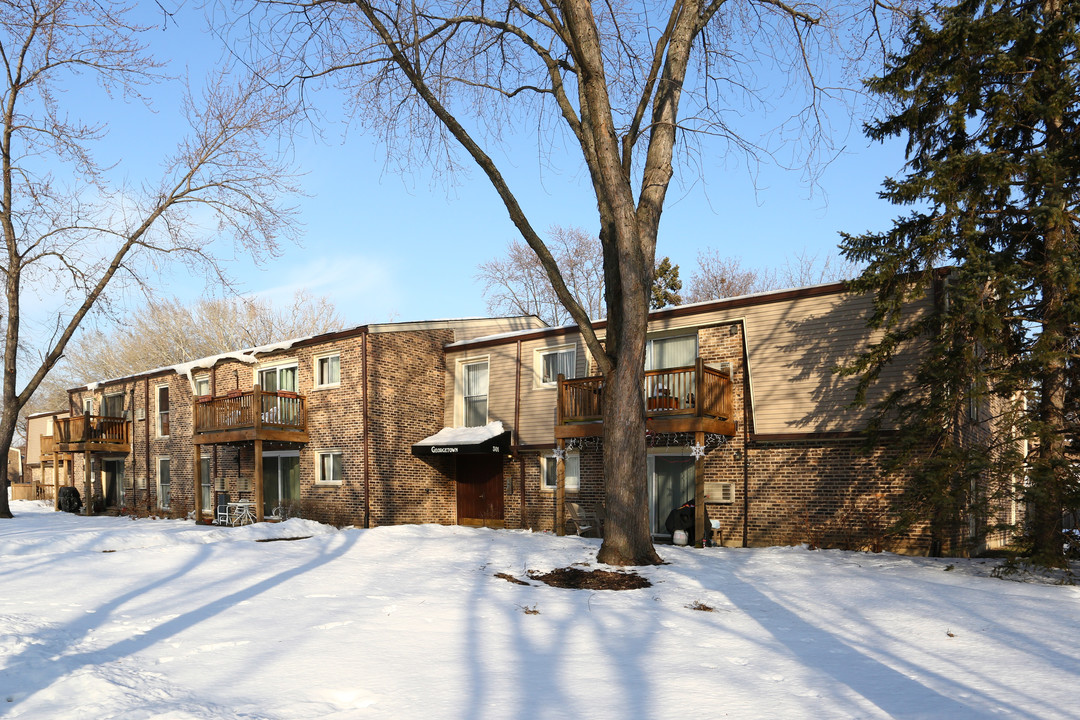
{"x": 744, "y": 411}
{"x": 319, "y": 426}
{"x": 496, "y": 422}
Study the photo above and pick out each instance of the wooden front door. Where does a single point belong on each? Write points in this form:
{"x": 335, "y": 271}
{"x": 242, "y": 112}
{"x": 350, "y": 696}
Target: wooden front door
{"x": 480, "y": 490}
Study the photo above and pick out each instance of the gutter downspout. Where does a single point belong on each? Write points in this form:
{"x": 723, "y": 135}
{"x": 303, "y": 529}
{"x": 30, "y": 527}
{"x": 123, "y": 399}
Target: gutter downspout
{"x": 146, "y": 425}
{"x": 517, "y": 437}
{"x": 364, "y": 424}
{"x": 746, "y": 441}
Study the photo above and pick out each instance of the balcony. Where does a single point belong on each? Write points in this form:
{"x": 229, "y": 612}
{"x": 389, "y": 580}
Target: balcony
{"x": 90, "y": 434}
{"x": 251, "y": 415}
{"x": 685, "y": 399}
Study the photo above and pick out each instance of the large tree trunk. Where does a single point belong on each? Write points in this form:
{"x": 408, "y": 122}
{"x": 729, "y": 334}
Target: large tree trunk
{"x": 627, "y": 538}
{"x": 1049, "y": 471}
{"x": 1049, "y": 467}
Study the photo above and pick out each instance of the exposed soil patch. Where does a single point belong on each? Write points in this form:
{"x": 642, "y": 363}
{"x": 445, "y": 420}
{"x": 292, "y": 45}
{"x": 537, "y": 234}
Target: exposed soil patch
{"x": 288, "y": 539}
{"x": 578, "y": 579}
{"x": 510, "y": 578}
{"x": 698, "y": 605}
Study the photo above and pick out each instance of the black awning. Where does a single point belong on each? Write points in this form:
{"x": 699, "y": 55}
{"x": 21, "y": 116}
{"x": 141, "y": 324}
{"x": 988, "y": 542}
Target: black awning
{"x": 436, "y": 446}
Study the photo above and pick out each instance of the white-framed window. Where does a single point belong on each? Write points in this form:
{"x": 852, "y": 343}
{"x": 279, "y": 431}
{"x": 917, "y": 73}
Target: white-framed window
{"x": 161, "y": 395}
{"x": 572, "y": 480}
{"x": 329, "y": 469}
{"x": 328, "y": 371}
{"x": 88, "y": 405}
{"x": 113, "y": 405}
{"x": 551, "y": 363}
{"x": 474, "y": 393}
{"x": 278, "y": 377}
{"x": 202, "y": 385}
{"x": 164, "y": 483}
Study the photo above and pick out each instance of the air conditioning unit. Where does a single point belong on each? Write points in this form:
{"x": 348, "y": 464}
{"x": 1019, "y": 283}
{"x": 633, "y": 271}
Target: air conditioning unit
{"x": 219, "y": 484}
{"x": 727, "y": 367}
{"x": 720, "y": 492}
{"x": 140, "y": 413}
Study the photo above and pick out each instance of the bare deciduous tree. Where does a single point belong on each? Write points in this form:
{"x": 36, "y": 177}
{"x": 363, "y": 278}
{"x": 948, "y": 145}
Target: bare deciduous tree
{"x": 807, "y": 268}
{"x": 616, "y": 83}
{"x": 67, "y": 232}
{"x": 518, "y": 285}
{"x": 717, "y": 276}
{"x": 167, "y": 332}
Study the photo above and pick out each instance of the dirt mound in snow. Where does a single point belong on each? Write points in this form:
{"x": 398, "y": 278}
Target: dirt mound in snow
{"x": 576, "y": 578}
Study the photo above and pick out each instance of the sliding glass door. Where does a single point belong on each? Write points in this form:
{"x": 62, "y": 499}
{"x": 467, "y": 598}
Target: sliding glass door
{"x": 671, "y": 485}
{"x": 281, "y": 480}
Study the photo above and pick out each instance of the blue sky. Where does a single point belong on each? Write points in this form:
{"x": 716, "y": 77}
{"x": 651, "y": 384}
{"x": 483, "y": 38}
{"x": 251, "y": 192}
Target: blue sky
{"x": 385, "y": 246}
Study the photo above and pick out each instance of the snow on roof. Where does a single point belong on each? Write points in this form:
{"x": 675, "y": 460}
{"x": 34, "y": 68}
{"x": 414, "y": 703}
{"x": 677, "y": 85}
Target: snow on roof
{"x": 465, "y": 435}
{"x": 247, "y": 355}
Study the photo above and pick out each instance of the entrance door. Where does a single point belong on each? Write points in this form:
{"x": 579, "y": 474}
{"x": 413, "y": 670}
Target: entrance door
{"x": 281, "y": 480}
{"x": 671, "y": 484}
{"x": 113, "y": 479}
{"x": 480, "y": 491}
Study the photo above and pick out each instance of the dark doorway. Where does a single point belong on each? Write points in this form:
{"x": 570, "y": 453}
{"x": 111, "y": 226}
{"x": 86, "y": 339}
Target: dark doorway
{"x": 112, "y": 472}
{"x": 480, "y": 490}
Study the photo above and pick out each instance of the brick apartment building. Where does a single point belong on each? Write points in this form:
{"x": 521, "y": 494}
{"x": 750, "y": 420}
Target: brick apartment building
{"x": 492, "y": 421}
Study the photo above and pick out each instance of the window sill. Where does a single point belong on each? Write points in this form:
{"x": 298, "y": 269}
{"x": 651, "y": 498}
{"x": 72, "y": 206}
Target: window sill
{"x": 325, "y": 387}
{"x": 337, "y": 483}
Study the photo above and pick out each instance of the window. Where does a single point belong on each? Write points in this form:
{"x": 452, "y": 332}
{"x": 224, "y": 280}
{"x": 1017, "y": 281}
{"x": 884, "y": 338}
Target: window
{"x": 330, "y": 469}
{"x": 202, "y": 386}
{"x": 282, "y": 377}
{"x": 552, "y": 363}
{"x": 328, "y": 371}
{"x": 88, "y": 405}
{"x": 671, "y": 352}
{"x": 164, "y": 482}
{"x": 572, "y": 481}
{"x": 113, "y": 405}
{"x": 162, "y": 410}
{"x": 474, "y": 393}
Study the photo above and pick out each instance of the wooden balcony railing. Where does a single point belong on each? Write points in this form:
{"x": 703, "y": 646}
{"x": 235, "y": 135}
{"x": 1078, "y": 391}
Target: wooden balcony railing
{"x": 251, "y": 409}
{"x": 696, "y": 391}
{"x": 92, "y": 430}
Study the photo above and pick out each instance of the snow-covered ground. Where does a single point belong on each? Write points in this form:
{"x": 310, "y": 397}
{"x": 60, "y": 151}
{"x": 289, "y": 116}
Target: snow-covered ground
{"x": 108, "y": 617}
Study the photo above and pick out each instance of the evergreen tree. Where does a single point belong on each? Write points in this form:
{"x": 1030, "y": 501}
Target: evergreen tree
{"x": 987, "y": 94}
{"x": 666, "y": 285}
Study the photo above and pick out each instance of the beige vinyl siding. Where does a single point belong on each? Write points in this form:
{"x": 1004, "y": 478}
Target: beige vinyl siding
{"x": 793, "y": 346}
{"x": 538, "y": 402}
{"x": 465, "y": 330}
{"x": 502, "y": 364}
{"x": 35, "y": 428}
{"x": 537, "y": 412}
